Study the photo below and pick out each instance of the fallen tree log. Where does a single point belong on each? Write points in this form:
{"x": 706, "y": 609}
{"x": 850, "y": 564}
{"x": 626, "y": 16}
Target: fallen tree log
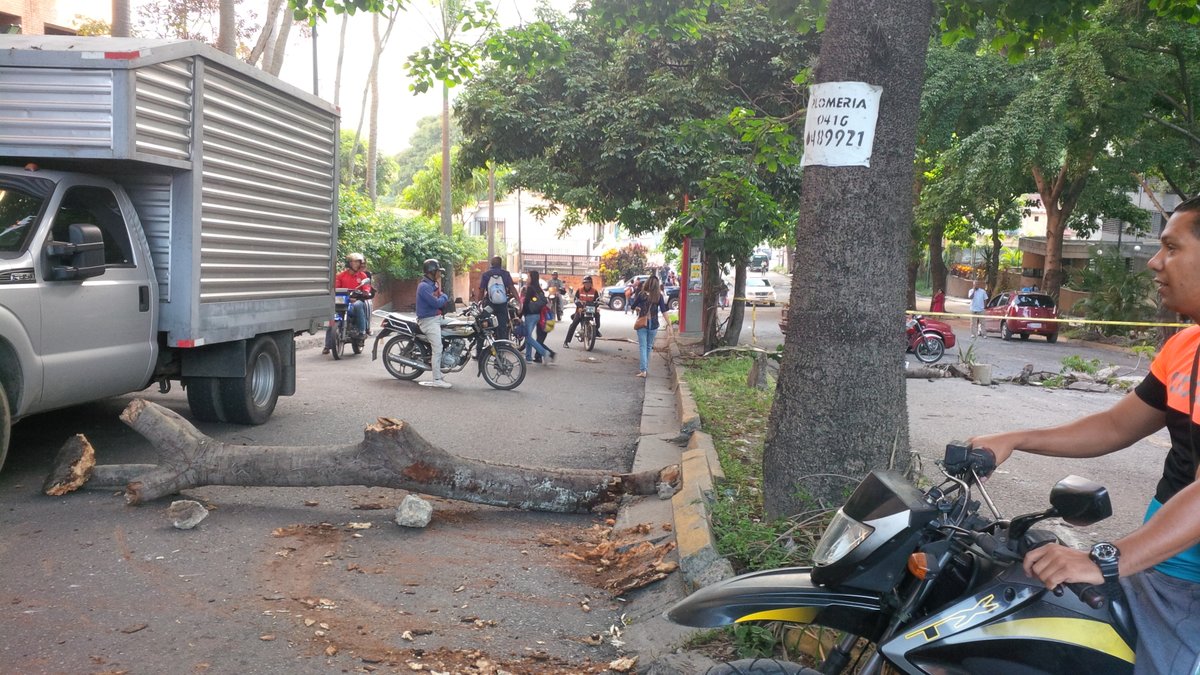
{"x": 392, "y": 454}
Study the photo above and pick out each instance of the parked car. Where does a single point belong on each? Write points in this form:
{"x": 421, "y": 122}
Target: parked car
{"x": 759, "y": 291}
{"x": 614, "y": 296}
{"x": 1020, "y": 313}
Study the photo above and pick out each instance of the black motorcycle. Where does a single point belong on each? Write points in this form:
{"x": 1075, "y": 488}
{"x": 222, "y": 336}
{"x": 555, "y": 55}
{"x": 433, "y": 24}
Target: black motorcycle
{"x": 934, "y": 586}
{"x": 587, "y": 326}
{"x": 343, "y": 333}
{"x": 407, "y": 352}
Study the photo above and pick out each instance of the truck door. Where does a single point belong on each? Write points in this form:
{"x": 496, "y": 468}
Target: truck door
{"x": 98, "y": 334}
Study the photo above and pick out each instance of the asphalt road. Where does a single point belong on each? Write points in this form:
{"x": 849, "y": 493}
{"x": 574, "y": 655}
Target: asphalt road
{"x": 277, "y": 581}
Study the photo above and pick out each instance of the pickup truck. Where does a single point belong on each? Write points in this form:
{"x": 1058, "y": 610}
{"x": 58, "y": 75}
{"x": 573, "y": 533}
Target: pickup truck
{"x": 614, "y": 296}
{"x": 167, "y": 213}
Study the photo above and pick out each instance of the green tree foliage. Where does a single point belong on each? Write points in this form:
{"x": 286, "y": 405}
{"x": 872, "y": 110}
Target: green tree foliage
{"x": 623, "y": 263}
{"x": 398, "y": 246}
{"x": 353, "y": 174}
{"x": 317, "y": 11}
{"x": 85, "y": 25}
{"x": 1116, "y": 293}
{"x": 425, "y": 193}
{"x": 424, "y": 141}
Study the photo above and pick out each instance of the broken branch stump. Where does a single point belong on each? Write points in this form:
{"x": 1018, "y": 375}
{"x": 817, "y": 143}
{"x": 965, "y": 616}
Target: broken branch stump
{"x": 392, "y": 454}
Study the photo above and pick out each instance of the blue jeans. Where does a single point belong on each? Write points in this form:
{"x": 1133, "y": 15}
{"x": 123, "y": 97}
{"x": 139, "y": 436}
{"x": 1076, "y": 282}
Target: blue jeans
{"x": 531, "y": 343}
{"x": 645, "y": 344}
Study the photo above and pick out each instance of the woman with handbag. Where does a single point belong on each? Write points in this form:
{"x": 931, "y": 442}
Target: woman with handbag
{"x": 533, "y": 301}
{"x": 650, "y": 305}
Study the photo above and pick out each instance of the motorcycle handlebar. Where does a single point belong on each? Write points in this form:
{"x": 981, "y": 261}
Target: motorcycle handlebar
{"x": 1090, "y": 595}
{"x": 960, "y": 457}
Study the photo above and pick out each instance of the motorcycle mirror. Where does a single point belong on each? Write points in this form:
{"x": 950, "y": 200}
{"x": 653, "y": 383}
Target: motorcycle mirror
{"x": 1079, "y": 501}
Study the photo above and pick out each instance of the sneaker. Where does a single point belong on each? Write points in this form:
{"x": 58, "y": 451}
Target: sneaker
{"x": 325, "y": 351}
{"x": 553, "y": 354}
{"x": 598, "y": 334}
{"x": 566, "y": 345}
{"x": 537, "y": 359}
{"x": 438, "y": 384}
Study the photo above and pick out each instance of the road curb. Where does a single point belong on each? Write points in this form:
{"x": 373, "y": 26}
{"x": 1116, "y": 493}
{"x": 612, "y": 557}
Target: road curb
{"x": 699, "y": 560}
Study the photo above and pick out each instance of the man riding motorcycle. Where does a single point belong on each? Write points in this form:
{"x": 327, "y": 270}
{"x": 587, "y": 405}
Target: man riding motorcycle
{"x": 583, "y": 296}
{"x": 356, "y": 278}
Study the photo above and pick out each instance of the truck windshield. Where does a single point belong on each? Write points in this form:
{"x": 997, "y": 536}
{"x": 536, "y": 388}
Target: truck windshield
{"x": 21, "y": 201}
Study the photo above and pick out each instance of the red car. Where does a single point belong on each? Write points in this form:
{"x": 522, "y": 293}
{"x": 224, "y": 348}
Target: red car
{"x": 1020, "y": 313}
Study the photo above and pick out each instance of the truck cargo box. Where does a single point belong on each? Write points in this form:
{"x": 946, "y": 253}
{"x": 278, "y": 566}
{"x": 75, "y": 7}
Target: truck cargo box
{"x": 233, "y": 172}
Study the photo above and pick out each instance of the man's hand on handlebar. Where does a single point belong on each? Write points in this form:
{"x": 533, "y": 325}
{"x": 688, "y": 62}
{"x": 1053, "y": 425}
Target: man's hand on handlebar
{"x": 1001, "y": 445}
{"x": 1055, "y": 564}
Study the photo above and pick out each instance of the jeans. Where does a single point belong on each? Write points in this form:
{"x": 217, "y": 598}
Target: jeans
{"x": 431, "y": 326}
{"x": 356, "y": 320}
{"x": 645, "y": 344}
{"x": 531, "y": 343}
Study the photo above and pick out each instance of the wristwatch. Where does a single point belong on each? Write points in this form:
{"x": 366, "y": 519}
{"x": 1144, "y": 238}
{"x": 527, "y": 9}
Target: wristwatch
{"x": 1107, "y": 557}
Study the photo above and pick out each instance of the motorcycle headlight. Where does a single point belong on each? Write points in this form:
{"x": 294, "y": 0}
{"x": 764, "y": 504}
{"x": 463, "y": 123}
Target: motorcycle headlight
{"x": 843, "y": 535}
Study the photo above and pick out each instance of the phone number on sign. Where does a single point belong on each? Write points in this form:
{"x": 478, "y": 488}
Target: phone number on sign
{"x": 835, "y": 137}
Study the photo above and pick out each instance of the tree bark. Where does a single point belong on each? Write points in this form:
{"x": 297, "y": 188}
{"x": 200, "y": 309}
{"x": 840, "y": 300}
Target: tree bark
{"x": 373, "y": 119}
{"x": 840, "y": 405}
{"x": 392, "y": 454}
{"x": 337, "y": 74}
{"x": 121, "y": 14}
{"x": 280, "y": 46}
{"x": 268, "y": 30}
{"x": 227, "y": 30}
{"x": 737, "y": 308}
{"x": 937, "y": 263}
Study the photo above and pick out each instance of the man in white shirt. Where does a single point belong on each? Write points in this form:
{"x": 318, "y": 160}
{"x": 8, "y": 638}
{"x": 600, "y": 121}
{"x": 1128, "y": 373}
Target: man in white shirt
{"x": 979, "y": 298}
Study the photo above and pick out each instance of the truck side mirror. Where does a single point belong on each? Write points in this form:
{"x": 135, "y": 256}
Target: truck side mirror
{"x": 82, "y": 256}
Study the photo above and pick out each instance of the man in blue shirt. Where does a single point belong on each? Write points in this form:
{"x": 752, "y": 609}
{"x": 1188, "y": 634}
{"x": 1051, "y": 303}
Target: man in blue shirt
{"x": 430, "y": 301}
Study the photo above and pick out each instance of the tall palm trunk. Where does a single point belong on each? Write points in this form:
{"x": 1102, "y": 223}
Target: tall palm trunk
{"x": 373, "y": 124}
{"x": 121, "y": 14}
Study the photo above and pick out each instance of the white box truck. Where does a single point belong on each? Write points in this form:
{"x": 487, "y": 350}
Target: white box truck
{"x": 167, "y": 213}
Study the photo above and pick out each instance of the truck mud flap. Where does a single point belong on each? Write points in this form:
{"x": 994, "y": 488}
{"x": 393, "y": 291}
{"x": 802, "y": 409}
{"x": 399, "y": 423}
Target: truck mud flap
{"x": 785, "y": 594}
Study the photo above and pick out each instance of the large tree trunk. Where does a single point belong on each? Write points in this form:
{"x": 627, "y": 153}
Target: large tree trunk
{"x": 737, "y": 308}
{"x": 391, "y": 454}
{"x": 840, "y": 408}
{"x": 1059, "y": 197}
{"x": 275, "y": 63}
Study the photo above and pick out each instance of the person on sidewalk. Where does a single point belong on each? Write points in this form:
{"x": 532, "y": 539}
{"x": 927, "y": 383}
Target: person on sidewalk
{"x": 1158, "y": 564}
{"x": 979, "y": 298}
{"x": 938, "y": 303}
{"x": 430, "y": 301}
{"x": 496, "y": 289}
{"x": 649, "y": 306}
{"x": 587, "y": 293}
{"x": 532, "y": 304}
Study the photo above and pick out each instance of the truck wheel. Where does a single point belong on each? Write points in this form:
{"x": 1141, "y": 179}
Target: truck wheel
{"x": 204, "y": 398}
{"x": 5, "y": 425}
{"x": 251, "y": 399}
{"x": 673, "y": 304}
{"x": 617, "y": 303}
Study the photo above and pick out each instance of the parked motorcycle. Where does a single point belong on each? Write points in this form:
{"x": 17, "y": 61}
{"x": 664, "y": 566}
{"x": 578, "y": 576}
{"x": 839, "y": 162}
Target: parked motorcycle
{"x": 934, "y": 586}
{"x": 343, "y": 333}
{"x": 924, "y": 344}
{"x": 587, "y": 327}
{"x": 407, "y": 352}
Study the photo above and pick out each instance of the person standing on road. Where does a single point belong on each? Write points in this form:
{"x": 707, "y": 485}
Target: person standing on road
{"x": 430, "y": 301}
{"x": 649, "y": 305}
{"x": 1158, "y": 564}
{"x": 938, "y": 303}
{"x": 979, "y": 298}
{"x": 583, "y": 296}
{"x": 496, "y": 289}
{"x": 532, "y": 303}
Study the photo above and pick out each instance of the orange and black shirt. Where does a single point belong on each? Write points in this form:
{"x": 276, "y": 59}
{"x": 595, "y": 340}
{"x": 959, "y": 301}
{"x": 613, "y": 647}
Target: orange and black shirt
{"x": 1169, "y": 388}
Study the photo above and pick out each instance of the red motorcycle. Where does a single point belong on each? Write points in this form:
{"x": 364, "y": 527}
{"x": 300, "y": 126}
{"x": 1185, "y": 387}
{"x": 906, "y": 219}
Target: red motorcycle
{"x": 923, "y": 343}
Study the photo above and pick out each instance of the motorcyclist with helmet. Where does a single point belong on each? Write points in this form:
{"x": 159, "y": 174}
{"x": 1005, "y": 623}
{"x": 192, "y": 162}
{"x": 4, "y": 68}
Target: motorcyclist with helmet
{"x": 586, "y": 294}
{"x": 356, "y": 278}
{"x": 430, "y": 303}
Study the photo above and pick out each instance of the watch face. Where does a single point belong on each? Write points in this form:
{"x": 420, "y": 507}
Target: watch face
{"x": 1104, "y": 551}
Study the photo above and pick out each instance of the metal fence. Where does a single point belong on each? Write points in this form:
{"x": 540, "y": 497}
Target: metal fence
{"x": 566, "y": 265}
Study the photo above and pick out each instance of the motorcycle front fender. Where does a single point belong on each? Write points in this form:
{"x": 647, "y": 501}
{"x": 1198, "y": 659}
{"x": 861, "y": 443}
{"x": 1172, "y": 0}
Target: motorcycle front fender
{"x": 786, "y": 594}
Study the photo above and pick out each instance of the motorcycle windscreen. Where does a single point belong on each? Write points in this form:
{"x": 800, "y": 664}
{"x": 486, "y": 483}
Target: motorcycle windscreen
{"x": 785, "y": 594}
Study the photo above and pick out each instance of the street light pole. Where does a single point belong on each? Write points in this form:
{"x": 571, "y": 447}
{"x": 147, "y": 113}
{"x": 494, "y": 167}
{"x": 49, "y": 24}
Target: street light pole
{"x": 520, "y": 250}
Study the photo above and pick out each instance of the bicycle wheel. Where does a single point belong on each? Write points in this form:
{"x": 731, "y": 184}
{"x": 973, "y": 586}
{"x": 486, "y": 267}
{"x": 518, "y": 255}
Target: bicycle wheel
{"x": 503, "y": 367}
{"x": 589, "y": 335}
{"x": 408, "y": 349}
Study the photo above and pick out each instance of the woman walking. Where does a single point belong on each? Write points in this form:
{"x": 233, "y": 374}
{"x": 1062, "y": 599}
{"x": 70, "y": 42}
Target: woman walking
{"x": 649, "y": 304}
{"x": 533, "y": 301}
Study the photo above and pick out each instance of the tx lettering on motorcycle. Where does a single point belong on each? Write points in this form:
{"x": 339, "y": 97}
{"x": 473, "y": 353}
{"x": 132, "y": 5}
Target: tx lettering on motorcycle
{"x": 961, "y": 618}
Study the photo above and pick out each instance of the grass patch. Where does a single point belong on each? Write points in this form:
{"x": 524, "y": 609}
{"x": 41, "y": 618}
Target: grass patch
{"x": 736, "y": 416}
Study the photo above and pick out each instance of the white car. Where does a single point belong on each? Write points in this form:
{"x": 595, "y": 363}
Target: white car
{"x": 759, "y": 291}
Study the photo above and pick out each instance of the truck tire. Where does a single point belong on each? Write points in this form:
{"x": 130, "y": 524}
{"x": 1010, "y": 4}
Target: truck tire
{"x": 5, "y": 425}
{"x": 251, "y": 399}
{"x": 204, "y": 398}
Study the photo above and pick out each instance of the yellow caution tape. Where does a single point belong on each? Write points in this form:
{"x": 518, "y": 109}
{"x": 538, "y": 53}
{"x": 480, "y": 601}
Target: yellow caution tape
{"x": 1070, "y": 320}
